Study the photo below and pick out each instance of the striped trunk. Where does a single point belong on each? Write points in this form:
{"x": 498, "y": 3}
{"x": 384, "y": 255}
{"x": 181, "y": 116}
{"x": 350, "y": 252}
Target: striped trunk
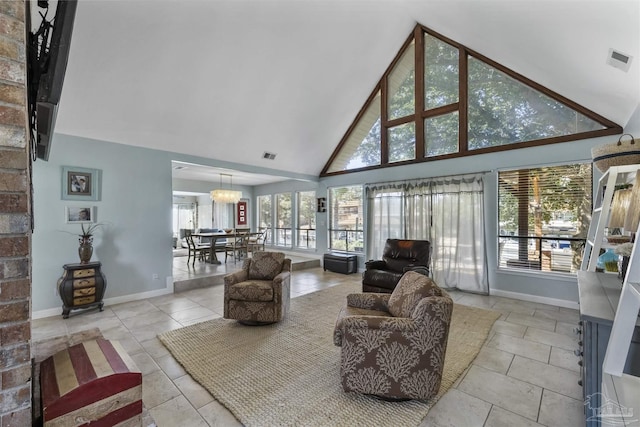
{"x": 93, "y": 383}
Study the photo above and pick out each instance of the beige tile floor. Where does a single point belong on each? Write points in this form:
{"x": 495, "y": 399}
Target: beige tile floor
{"x": 525, "y": 375}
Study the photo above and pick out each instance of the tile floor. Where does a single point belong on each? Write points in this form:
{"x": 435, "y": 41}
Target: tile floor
{"x": 525, "y": 374}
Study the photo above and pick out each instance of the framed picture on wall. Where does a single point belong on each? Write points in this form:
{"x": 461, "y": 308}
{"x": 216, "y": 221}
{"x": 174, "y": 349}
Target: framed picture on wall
{"x": 79, "y": 214}
{"x": 80, "y": 183}
{"x": 242, "y": 213}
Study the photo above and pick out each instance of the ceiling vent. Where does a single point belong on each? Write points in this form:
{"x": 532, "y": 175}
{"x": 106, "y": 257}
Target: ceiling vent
{"x": 269, "y": 156}
{"x": 619, "y": 60}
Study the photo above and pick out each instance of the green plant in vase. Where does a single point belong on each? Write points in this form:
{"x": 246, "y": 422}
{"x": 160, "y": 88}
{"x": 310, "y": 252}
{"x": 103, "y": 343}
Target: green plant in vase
{"x": 608, "y": 261}
{"x": 85, "y": 251}
{"x": 611, "y": 266}
{"x": 624, "y": 252}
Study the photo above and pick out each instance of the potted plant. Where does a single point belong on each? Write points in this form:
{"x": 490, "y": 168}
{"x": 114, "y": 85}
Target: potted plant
{"x": 624, "y": 251}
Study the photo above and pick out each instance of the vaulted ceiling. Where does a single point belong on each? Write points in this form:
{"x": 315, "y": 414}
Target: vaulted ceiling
{"x": 231, "y": 79}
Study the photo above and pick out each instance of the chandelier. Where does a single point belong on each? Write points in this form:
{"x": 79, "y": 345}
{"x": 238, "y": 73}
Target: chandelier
{"x": 226, "y": 196}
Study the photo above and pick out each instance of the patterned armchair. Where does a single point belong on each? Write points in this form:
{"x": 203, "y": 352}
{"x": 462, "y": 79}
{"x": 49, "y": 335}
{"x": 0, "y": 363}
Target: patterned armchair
{"x": 393, "y": 345}
{"x": 259, "y": 294}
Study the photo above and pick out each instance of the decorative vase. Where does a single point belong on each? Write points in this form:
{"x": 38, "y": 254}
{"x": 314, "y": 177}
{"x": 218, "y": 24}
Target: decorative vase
{"x": 608, "y": 261}
{"x": 86, "y": 249}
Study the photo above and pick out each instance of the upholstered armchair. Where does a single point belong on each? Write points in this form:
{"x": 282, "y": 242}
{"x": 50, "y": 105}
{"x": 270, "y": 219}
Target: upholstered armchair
{"x": 259, "y": 293}
{"x": 393, "y": 345}
{"x": 398, "y": 257}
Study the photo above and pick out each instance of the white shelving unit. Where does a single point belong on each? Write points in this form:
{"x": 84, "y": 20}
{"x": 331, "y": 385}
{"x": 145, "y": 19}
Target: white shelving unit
{"x": 622, "y": 389}
{"x": 609, "y": 318}
{"x": 616, "y": 175}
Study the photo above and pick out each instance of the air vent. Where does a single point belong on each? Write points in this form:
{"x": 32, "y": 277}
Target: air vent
{"x": 619, "y": 60}
{"x": 269, "y": 156}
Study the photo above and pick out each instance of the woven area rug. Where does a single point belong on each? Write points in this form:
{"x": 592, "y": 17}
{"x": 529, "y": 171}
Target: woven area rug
{"x": 288, "y": 374}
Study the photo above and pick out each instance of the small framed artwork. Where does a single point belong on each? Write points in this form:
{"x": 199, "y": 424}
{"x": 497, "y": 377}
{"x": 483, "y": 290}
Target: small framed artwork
{"x": 79, "y": 214}
{"x": 80, "y": 183}
{"x": 242, "y": 214}
{"x": 322, "y": 204}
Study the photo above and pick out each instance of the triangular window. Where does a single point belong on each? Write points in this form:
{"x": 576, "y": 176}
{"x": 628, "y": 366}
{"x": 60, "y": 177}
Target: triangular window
{"x": 362, "y": 146}
{"x": 516, "y": 112}
{"x": 466, "y": 104}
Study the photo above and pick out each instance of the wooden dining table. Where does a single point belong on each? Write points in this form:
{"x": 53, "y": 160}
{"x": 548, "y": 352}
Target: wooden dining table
{"x": 213, "y": 258}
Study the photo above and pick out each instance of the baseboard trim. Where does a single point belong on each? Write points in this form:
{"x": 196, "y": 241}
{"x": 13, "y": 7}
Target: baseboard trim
{"x": 40, "y": 314}
{"x": 535, "y": 298}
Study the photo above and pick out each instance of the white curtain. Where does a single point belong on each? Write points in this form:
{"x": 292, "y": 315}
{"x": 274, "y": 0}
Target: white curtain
{"x": 384, "y": 213}
{"x": 223, "y": 215}
{"x": 446, "y": 211}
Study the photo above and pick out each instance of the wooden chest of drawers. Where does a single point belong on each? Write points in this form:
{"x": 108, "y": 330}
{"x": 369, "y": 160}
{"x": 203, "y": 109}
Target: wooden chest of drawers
{"x": 81, "y": 286}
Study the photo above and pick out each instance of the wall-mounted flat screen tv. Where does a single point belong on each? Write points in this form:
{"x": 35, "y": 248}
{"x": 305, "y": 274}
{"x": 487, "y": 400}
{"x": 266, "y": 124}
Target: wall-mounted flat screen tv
{"x": 48, "y": 53}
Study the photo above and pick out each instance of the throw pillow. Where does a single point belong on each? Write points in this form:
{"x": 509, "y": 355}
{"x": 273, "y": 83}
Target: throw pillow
{"x": 265, "y": 265}
{"x": 411, "y": 288}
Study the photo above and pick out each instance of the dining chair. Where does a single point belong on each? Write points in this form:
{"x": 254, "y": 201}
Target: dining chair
{"x": 257, "y": 241}
{"x": 236, "y": 246}
{"x": 195, "y": 248}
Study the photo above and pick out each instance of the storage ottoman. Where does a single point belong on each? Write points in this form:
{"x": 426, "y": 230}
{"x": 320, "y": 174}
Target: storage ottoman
{"x": 94, "y": 383}
{"x": 340, "y": 263}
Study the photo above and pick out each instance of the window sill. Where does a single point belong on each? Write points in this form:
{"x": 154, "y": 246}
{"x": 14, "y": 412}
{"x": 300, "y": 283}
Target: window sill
{"x": 568, "y": 277}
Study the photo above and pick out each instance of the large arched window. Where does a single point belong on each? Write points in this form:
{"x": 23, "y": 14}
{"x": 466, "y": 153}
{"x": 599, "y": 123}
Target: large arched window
{"x": 439, "y": 99}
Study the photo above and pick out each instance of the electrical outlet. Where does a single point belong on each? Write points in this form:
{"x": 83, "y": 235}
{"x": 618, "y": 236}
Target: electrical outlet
{"x": 155, "y": 276}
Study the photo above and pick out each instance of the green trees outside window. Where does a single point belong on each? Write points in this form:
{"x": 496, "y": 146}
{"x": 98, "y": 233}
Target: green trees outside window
{"x": 346, "y": 215}
{"x": 282, "y": 230}
{"x": 306, "y": 223}
{"x": 264, "y": 216}
{"x": 544, "y": 216}
{"x": 440, "y": 99}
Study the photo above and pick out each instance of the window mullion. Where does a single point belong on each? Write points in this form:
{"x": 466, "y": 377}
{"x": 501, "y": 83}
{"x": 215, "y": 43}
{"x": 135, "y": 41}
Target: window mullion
{"x": 419, "y": 91}
{"x": 434, "y": 112}
{"x": 463, "y": 92}
{"x": 384, "y": 119}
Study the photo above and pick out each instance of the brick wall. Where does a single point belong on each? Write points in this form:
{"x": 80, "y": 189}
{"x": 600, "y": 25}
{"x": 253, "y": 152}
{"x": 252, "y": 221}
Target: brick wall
{"x": 15, "y": 231}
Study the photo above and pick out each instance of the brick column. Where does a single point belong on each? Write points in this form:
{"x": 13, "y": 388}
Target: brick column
{"x": 15, "y": 228}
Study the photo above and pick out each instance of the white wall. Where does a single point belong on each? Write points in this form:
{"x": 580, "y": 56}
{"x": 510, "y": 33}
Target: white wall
{"x": 633, "y": 126}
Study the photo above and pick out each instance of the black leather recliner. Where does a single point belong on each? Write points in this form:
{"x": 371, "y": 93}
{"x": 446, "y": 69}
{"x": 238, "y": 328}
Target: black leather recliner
{"x": 398, "y": 257}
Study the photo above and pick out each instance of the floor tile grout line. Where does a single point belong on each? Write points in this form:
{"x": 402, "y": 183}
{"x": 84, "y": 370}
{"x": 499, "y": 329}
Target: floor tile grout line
{"x": 486, "y": 419}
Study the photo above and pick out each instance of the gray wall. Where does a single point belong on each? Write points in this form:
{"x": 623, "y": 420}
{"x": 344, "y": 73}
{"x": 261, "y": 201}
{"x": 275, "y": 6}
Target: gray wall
{"x": 135, "y": 204}
{"x": 137, "y": 197}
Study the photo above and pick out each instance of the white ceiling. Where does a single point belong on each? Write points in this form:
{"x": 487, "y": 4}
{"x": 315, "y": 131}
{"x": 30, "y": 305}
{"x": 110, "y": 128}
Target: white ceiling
{"x": 230, "y": 79}
{"x": 224, "y": 176}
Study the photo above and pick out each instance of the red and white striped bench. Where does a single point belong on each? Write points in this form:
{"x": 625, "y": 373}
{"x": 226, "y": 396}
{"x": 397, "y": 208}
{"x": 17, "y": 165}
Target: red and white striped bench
{"x": 94, "y": 383}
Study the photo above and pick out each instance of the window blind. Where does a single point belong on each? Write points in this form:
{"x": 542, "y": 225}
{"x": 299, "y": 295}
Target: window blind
{"x": 547, "y": 201}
